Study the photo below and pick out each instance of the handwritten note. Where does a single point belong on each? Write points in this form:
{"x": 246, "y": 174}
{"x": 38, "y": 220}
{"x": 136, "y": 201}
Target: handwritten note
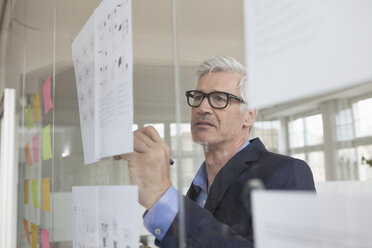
{"x": 35, "y": 147}
{"x": 99, "y": 209}
{"x": 46, "y": 95}
{"x": 46, "y": 147}
{"x": 28, "y": 154}
{"x": 83, "y": 58}
{"x": 36, "y": 106}
{"x": 35, "y": 197}
{"x": 45, "y": 194}
{"x": 28, "y": 116}
{"x": 25, "y": 224}
{"x": 34, "y": 235}
{"x": 26, "y": 189}
{"x": 44, "y": 238}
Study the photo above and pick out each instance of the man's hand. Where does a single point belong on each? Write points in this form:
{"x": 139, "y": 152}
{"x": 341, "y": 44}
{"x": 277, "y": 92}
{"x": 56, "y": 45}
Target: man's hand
{"x": 148, "y": 166}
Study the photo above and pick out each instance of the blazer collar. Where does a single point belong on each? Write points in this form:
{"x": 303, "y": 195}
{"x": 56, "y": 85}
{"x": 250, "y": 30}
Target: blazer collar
{"x": 232, "y": 169}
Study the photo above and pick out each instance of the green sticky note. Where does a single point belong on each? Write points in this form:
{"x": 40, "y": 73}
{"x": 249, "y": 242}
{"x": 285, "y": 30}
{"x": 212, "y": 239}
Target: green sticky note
{"x": 34, "y": 193}
{"x": 28, "y": 117}
{"x": 45, "y": 144}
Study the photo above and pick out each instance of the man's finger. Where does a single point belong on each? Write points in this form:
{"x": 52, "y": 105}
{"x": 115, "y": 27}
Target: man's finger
{"x": 151, "y": 132}
{"x": 128, "y": 156}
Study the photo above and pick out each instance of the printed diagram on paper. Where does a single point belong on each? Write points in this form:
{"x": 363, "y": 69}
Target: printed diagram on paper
{"x": 105, "y": 216}
{"x": 103, "y": 61}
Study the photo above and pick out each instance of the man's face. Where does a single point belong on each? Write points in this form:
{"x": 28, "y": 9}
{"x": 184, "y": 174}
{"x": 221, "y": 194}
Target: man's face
{"x": 211, "y": 126}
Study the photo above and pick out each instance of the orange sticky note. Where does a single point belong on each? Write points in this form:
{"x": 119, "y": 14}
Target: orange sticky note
{"x": 44, "y": 238}
{"x": 28, "y": 154}
{"x": 35, "y": 147}
{"x": 28, "y": 117}
{"x": 36, "y": 106}
{"x": 26, "y": 191}
{"x": 45, "y": 194}
{"x": 34, "y": 235}
{"x": 35, "y": 197}
{"x": 46, "y": 95}
{"x": 25, "y": 224}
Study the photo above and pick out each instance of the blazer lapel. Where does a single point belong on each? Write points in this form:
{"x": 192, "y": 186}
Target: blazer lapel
{"x": 236, "y": 165}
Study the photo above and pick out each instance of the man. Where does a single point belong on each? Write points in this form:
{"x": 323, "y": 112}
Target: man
{"x": 217, "y": 205}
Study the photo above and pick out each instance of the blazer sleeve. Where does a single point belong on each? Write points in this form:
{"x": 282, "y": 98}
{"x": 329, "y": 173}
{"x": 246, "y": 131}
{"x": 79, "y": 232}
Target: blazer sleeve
{"x": 202, "y": 230}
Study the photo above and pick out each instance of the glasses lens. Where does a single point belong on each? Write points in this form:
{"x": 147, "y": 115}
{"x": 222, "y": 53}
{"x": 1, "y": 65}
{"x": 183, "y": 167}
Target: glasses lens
{"x": 218, "y": 99}
{"x": 195, "y": 98}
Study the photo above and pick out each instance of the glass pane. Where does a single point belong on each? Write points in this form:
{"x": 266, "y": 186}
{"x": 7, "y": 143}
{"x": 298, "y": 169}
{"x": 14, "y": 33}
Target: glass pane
{"x": 268, "y": 132}
{"x": 186, "y": 137}
{"x": 313, "y": 129}
{"x": 365, "y": 170}
{"x": 296, "y": 133}
{"x": 344, "y": 125}
{"x": 317, "y": 165}
{"x": 347, "y": 164}
{"x": 363, "y": 117}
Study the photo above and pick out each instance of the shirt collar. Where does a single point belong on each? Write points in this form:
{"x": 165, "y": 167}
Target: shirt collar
{"x": 200, "y": 180}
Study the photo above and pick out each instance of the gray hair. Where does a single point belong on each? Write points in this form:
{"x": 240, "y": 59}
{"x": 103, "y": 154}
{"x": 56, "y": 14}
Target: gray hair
{"x": 225, "y": 64}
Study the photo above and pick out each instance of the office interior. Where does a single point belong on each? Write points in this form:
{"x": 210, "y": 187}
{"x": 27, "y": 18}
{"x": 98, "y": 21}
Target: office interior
{"x": 332, "y": 132}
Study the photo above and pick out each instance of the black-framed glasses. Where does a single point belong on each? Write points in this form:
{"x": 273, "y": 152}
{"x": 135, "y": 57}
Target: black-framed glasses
{"x": 217, "y": 99}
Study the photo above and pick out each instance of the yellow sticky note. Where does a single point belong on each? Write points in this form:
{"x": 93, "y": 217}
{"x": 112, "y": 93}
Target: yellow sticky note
{"x": 34, "y": 235}
{"x": 45, "y": 194}
{"x": 28, "y": 117}
{"x": 25, "y": 224}
{"x": 34, "y": 193}
{"x": 36, "y": 106}
{"x": 45, "y": 144}
{"x": 26, "y": 191}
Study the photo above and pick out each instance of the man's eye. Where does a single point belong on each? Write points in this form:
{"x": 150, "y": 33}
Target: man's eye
{"x": 198, "y": 97}
{"x": 219, "y": 99}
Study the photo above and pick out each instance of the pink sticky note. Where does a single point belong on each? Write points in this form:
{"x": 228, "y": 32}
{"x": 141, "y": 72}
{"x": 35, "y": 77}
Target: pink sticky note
{"x": 46, "y": 95}
{"x": 44, "y": 238}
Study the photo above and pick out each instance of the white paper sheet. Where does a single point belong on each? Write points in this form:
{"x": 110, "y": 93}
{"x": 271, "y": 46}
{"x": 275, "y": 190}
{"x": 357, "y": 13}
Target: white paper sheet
{"x": 105, "y": 216}
{"x": 83, "y": 59}
{"x": 299, "y": 220}
{"x": 103, "y": 61}
{"x": 114, "y": 104}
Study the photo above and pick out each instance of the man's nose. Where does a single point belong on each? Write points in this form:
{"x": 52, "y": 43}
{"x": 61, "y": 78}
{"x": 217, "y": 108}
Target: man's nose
{"x": 204, "y": 106}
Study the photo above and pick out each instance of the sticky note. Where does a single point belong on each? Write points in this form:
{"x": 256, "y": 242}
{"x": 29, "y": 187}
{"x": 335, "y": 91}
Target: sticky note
{"x": 28, "y": 154}
{"x": 36, "y": 107}
{"x": 44, "y": 238}
{"x": 35, "y": 147}
{"x": 45, "y": 143}
{"x": 28, "y": 116}
{"x": 34, "y": 193}
{"x": 46, "y": 95}
{"x": 34, "y": 235}
{"x": 45, "y": 194}
{"x": 25, "y": 224}
{"x": 25, "y": 200}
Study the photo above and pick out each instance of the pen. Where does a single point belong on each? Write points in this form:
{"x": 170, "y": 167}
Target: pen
{"x": 171, "y": 162}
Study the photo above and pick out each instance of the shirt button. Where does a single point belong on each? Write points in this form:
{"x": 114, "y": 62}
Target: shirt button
{"x": 157, "y": 231}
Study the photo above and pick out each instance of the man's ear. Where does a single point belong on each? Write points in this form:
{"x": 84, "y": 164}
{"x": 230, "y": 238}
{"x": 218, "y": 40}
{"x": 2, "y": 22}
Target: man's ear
{"x": 249, "y": 117}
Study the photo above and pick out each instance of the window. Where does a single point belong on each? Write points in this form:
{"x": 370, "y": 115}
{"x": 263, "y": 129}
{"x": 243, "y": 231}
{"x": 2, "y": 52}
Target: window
{"x": 365, "y": 171}
{"x": 316, "y": 163}
{"x": 313, "y": 130}
{"x": 363, "y": 117}
{"x": 296, "y": 133}
{"x": 268, "y": 132}
{"x": 186, "y": 137}
{"x": 344, "y": 125}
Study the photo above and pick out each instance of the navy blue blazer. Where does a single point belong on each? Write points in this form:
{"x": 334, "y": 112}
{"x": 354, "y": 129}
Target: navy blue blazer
{"x": 226, "y": 219}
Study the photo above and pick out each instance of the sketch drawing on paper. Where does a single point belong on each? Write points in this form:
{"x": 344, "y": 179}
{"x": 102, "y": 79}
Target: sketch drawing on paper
{"x": 103, "y": 62}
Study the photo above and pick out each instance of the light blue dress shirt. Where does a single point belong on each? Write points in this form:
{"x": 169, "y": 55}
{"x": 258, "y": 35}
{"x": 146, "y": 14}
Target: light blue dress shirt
{"x": 160, "y": 217}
